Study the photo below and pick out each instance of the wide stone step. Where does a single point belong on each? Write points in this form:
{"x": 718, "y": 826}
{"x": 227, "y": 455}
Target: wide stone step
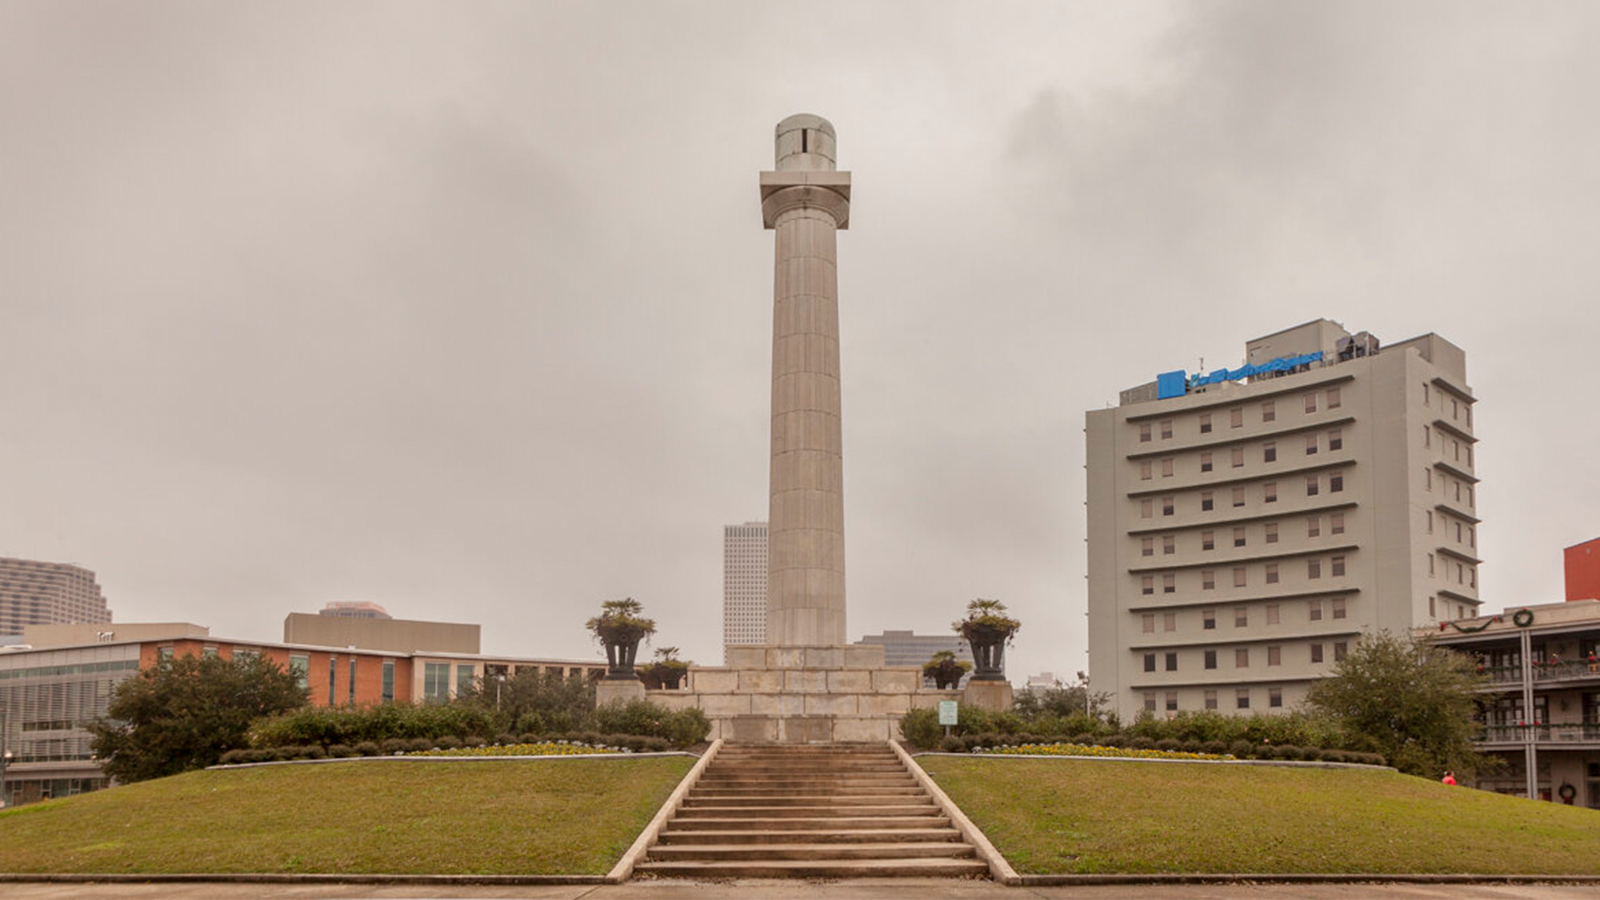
{"x": 819, "y": 851}
{"x": 785, "y": 799}
{"x": 934, "y": 819}
{"x": 714, "y": 774}
{"x": 799, "y": 868}
{"x": 800, "y": 771}
{"x": 875, "y": 778}
{"x": 816, "y": 811}
{"x": 763, "y": 790}
{"x": 842, "y": 836}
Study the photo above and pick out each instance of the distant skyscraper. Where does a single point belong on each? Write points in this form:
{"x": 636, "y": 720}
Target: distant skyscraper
{"x": 355, "y": 609}
{"x": 43, "y": 593}
{"x": 744, "y": 584}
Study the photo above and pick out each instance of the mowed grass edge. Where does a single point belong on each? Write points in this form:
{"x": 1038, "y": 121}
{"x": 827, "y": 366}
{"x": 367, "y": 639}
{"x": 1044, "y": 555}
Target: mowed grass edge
{"x": 569, "y": 816}
{"x": 1064, "y": 816}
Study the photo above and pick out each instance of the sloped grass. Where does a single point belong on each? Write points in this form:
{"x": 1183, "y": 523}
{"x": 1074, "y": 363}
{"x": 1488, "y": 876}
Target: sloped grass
{"x": 1058, "y": 816}
{"x": 517, "y": 817}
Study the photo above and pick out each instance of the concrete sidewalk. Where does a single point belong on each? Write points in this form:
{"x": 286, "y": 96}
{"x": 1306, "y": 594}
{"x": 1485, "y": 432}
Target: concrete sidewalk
{"x": 875, "y": 889}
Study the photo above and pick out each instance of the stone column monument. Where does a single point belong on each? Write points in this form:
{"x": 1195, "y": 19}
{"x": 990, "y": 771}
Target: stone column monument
{"x": 805, "y": 685}
{"x": 805, "y": 202}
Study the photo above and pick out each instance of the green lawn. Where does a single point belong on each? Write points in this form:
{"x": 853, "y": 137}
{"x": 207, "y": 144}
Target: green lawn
{"x": 567, "y": 816}
{"x": 1064, "y": 816}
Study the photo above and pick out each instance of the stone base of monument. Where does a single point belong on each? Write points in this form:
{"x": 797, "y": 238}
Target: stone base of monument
{"x": 805, "y": 695}
{"x": 995, "y": 695}
{"x": 618, "y": 690}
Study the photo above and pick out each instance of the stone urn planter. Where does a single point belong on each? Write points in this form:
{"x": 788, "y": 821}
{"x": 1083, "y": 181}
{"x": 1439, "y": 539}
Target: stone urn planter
{"x": 620, "y": 628}
{"x": 666, "y": 673}
{"x": 945, "y": 669}
{"x": 988, "y": 630}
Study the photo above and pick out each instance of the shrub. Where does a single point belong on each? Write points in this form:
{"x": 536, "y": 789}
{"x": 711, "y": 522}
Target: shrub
{"x": 1286, "y": 751}
{"x": 1215, "y": 747}
{"x": 921, "y": 729}
{"x": 232, "y": 757}
{"x": 1141, "y": 743}
{"x": 953, "y": 744}
{"x": 392, "y": 746}
{"x": 683, "y": 727}
{"x": 1084, "y": 738}
{"x": 447, "y": 743}
{"x": 1113, "y": 740}
{"x": 417, "y": 745}
{"x": 474, "y": 740}
{"x": 505, "y": 740}
{"x": 1169, "y": 744}
{"x": 350, "y": 725}
{"x": 368, "y": 748}
{"x": 529, "y": 738}
{"x": 1242, "y": 749}
{"x": 341, "y": 751}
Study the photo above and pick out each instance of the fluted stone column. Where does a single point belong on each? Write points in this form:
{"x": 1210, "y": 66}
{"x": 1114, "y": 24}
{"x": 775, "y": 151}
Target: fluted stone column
{"x": 805, "y": 201}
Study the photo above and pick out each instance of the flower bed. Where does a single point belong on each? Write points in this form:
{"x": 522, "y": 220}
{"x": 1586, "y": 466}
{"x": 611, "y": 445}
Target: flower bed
{"x": 545, "y": 748}
{"x": 1087, "y": 750}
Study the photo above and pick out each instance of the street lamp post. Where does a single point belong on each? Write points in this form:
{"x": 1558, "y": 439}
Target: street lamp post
{"x": 499, "y": 679}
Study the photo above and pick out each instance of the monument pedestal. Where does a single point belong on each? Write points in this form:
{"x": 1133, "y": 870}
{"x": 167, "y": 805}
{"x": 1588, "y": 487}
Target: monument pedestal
{"x": 805, "y": 695}
{"x": 995, "y": 696}
{"x": 615, "y": 690}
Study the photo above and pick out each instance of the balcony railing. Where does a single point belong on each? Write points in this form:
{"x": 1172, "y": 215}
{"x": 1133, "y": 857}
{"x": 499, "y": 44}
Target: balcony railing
{"x": 1565, "y": 671}
{"x": 1502, "y": 674}
{"x": 1558, "y": 733}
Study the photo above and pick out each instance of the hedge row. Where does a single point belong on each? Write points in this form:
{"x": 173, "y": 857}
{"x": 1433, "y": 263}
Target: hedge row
{"x": 354, "y": 726}
{"x": 393, "y": 746}
{"x": 1237, "y": 749}
{"x": 922, "y": 729}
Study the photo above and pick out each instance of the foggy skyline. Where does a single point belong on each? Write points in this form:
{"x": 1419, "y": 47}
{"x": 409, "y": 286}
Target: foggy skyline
{"x": 467, "y": 311}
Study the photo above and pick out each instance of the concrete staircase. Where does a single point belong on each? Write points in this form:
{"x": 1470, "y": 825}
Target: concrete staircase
{"x": 809, "y": 811}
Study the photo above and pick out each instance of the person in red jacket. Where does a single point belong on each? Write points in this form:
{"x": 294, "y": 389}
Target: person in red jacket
{"x": 1449, "y": 778}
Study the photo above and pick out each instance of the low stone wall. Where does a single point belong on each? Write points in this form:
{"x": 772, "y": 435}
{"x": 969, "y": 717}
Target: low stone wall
{"x": 804, "y": 695}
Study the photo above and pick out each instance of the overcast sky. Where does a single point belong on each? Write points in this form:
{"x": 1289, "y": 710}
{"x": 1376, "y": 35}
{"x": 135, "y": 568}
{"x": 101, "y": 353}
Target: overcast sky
{"x": 466, "y": 309}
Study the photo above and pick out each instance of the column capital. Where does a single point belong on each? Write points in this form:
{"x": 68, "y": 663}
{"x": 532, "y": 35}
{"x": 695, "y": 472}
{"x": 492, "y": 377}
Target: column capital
{"x": 827, "y": 191}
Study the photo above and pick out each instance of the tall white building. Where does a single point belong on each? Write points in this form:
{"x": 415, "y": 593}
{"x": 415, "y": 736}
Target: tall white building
{"x": 1246, "y": 526}
{"x": 744, "y": 584}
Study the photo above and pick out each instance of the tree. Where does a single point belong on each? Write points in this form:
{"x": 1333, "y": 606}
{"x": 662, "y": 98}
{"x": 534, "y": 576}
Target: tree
{"x": 1064, "y": 700}
{"x": 1410, "y": 700}
{"x": 531, "y": 701}
{"x": 185, "y": 712}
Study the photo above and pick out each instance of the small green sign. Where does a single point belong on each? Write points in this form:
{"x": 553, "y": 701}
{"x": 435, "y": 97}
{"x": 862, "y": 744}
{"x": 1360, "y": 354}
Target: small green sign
{"x": 947, "y": 712}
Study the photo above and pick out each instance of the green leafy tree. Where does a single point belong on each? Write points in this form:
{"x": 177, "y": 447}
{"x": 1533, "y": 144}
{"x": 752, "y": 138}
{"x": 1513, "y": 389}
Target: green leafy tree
{"x": 1407, "y": 699}
{"x": 185, "y": 712}
{"x": 531, "y": 701}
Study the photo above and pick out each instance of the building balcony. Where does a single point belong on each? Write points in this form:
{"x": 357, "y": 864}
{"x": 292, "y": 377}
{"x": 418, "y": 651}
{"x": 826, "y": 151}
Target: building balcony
{"x": 1566, "y": 734}
{"x": 1562, "y": 672}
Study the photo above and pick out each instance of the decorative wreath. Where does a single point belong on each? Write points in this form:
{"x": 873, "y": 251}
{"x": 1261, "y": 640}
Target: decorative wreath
{"x": 1522, "y": 617}
{"x": 1567, "y": 792}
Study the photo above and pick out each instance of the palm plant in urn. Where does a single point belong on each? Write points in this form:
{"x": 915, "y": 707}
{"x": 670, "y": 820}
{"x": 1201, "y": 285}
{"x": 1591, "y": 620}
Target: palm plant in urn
{"x": 619, "y": 628}
{"x": 945, "y": 669}
{"x": 988, "y": 630}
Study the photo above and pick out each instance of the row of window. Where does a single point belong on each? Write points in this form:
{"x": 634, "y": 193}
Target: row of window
{"x": 1241, "y": 657}
{"x": 1241, "y": 699}
{"x": 1456, "y": 406}
{"x": 1241, "y": 535}
{"x": 1427, "y": 441}
{"x": 1269, "y": 494}
{"x": 1464, "y": 532}
{"x": 1445, "y": 483}
{"x": 1270, "y": 572}
{"x": 1465, "y": 574}
{"x": 1336, "y": 608}
{"x": 1313, "y": 443}
{"x": 1309, "y": 402}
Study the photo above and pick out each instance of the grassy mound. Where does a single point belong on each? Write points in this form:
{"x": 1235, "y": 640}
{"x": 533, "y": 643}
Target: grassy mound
{"x": 1054, "y": 816}
{"x": 568, "y": 816}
